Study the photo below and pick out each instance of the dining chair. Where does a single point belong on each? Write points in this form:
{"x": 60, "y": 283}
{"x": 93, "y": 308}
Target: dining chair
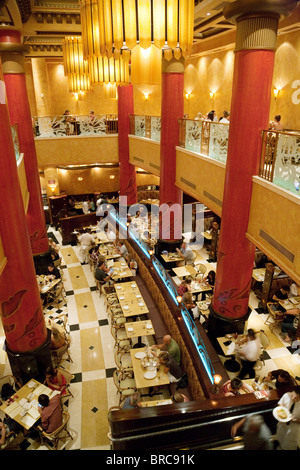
{"x": 11, "y": 382}
{"x": 265, "y": 342}
{"x": 57, "y": 295}
{"x": 57, "y": 262}
{"x": 123, "y": 360}
{"x": 201, "y": 268}
{"x": 122, "y": 343}
{"x": 68, "y": 377}
{"x": 58, "y": 354}
{"x": 59, "y": 434}
{"x": 125, "y": 383}
{"x": 117, "y": 319}
{"x": 99, "y": 286}
{"x": 274, "y": 317}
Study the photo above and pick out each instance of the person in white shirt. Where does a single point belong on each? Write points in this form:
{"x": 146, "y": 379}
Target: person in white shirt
{"x": 225, "y": 118}
{"x": 85, "y": 207}
{"x": 186, "y": 252}
{"x": 249, "y": 353}
{"x": 288, "y": 433}
{"x": 294, "y": 290}
{"x": 111, "y": 235}
{"x": 86, "y": 241}
{"x": 121, "y": 247}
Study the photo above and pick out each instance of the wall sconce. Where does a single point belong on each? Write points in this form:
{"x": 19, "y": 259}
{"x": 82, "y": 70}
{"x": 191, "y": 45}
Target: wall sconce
{"x": 212, "y": 94}
{"x": 276, "y": 93}
{"x": 215, "y": 388}
{"x": 80, "y": 178}
{"x": 188, "y": 95}
{"x": 112, "y": 177}
{"x": 75, "y": 96}
{"x": 146, "y": 95}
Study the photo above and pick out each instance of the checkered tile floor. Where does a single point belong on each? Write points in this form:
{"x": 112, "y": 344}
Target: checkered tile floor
{"x": 93, "y": 359}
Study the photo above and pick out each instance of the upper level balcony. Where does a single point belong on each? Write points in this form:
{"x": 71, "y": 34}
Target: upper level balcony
{"x": 73, "y": 140}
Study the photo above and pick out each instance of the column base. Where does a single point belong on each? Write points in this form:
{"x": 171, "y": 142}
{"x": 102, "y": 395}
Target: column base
{"x": 221, "y": 326}
{"x": 41, "y": 262}
{"x": 31, "y": 364}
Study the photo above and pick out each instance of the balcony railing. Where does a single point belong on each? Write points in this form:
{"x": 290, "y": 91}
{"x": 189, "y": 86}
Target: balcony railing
{"x": 145, "y": 126}
{"x": 72, "y": 125}
{"x": 280, "y": 159}
{"x": 205, "y": 137}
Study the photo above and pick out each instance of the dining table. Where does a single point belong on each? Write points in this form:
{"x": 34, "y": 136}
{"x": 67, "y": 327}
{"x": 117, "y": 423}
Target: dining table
{"x": 184, "y": 271}
{"x": 228, "y": 346}
{"x": 200, "y": 287}
{"x": 203, "y": 309}
{"x": 171, "y": 257}
{"x": 47, "y": 283}
{"x": 146, "y": 374}
{"x": 292, "y": 302}
{"x": 132, "y": 303}
{"x": 207, "y": 234}
{"x": 149, "y": 403}
{"x": 22, "y": 407}
{"x": 121, "y": 270}
{"x": 138, "y": 329}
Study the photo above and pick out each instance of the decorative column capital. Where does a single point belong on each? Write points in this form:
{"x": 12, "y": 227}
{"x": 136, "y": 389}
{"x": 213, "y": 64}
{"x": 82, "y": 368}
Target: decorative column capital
{"x": 12, "y": 51}
{"x": 173, "y": 65}
{"x": 257, "y": 21}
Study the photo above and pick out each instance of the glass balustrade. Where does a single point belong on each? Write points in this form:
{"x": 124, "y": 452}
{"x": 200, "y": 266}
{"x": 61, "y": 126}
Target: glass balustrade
{"x": 280, "y": 159}
{"x": 71, "y": 125}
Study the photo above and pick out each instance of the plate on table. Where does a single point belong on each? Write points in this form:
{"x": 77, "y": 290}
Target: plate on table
{"x": 133, "y": 285}
{"x": 149, "y": 326}
{"x": 125, "y": 307}
{"x": 119, "y": 287}
{"x": 31, "y": 384}
{"x": 150, "y": 374}
{"x": 141, "y": 304}
{"x": 282, "y": 414}
{"x": 26, "y": 406}
{"x": 140, "y": 355}
{"x": 203, "y": 305}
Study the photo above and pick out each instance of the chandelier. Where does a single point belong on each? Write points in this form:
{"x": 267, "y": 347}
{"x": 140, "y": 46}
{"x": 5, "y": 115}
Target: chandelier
{"x": 106, "y": 70}
{"x": 75, "y": 67}
{"x": 112, "y": 26}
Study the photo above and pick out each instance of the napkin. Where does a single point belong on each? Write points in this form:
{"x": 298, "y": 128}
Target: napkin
{"x": 129, "y": 328}
{"x": 28, "y": 420}
{"x": 230, "y": 349}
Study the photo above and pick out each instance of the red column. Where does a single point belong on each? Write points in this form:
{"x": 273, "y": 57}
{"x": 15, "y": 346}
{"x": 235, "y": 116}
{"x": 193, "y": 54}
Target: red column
{"x": 127, "y": 170}
{"x": 21, "y": 310}
{"x": 251, "y": 93}
{"x": 172, "y": 107}
{"x": 19, "y": 110}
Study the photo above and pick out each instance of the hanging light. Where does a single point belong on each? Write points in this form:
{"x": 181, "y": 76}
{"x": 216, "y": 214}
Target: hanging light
{"x": 110, "y": 25}
{"x": 106, "y": 70}
{"x": 75, "y": 67}
{"x": 146, "y": 66}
